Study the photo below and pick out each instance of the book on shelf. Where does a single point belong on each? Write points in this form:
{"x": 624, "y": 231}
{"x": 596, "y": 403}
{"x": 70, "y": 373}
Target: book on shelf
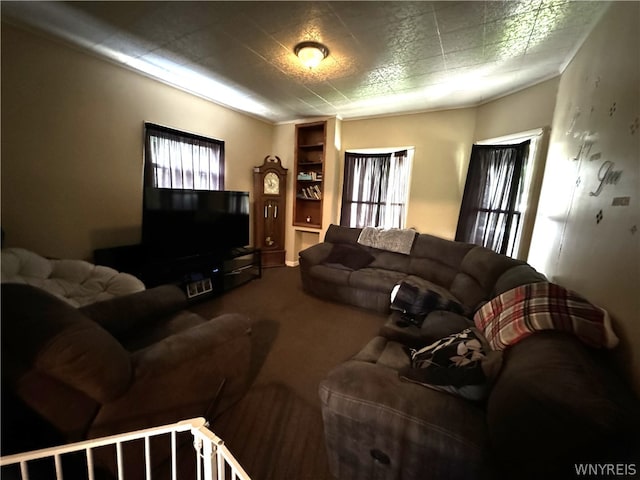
{"x": 313, "y": 193}
{"x": 310, "y": 176}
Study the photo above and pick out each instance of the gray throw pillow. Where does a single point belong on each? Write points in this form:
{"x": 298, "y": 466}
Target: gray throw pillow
{"x": 348, "y": 256}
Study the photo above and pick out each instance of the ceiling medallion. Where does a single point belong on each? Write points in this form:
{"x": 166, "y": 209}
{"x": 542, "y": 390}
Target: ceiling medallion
{"x": 311, "y": 53}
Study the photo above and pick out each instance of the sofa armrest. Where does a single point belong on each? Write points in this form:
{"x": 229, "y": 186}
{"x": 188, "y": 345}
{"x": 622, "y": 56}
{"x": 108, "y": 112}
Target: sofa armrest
{"x": 182, "y": 376}
{"x": 375, "y": 422}
{"x": 121, "y": 314}
{"x": 315, "y": 254}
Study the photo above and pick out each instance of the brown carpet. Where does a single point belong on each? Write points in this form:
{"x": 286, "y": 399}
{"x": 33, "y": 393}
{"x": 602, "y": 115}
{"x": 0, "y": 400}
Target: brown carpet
{"x": 275, "y": 432}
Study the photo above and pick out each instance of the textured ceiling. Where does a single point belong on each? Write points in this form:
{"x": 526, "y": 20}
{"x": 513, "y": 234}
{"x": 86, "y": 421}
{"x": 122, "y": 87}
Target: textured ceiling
{"x": 385, "y": 57}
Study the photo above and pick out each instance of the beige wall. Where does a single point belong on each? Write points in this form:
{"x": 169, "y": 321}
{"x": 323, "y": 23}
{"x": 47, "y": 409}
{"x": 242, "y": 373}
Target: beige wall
{"x": 524, "y": 111}
{"x": 88, "y": 116}
{"x": 583, "y": 241}
{"x": 72, "y": 135}
{"x": 442, "y": 142}
{"x": 519, "y": 112}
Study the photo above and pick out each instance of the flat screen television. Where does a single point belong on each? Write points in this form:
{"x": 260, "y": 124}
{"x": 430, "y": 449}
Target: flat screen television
{"x": 179, "y": 223}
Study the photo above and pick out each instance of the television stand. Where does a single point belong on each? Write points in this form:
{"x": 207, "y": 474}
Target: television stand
{"x": 241, "y": 266}
{"x": 200, "y": 276}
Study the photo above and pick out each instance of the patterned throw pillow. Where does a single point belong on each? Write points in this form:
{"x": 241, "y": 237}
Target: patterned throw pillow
{"x": 459, "y": 364}
{"x": 524, "y": 310}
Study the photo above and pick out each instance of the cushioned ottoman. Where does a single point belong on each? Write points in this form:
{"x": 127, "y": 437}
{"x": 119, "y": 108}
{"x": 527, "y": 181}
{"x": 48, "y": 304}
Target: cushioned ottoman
{"x": 76, "y": 282}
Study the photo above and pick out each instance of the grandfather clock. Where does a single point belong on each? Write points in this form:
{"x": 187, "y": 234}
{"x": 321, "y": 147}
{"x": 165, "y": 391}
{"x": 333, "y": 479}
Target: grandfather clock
{"x": 269, "y": 189}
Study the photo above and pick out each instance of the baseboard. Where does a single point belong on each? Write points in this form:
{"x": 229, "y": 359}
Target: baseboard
{"x": 292, "y": 264}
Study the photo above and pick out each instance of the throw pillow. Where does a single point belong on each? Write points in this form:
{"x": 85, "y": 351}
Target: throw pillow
{"x": 348, "y": 256}
{"x": 517, "y": 313}
{"x": 461, "y": 364}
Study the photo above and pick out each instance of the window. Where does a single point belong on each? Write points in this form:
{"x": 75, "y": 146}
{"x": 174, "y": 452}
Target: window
{"x": 375, "y": 189}
{"x": 179, "y": 160}
{"x": 491, "y": 211}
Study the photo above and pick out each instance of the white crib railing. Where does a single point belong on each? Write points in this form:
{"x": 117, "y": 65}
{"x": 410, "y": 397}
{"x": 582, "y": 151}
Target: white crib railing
{"x": 213, "y": 461}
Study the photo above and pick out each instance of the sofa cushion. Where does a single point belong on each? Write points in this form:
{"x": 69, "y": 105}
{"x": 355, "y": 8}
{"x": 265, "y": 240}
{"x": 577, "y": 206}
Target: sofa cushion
{"x": 385, "y": 353}
{"x": 376, "y": 279}
{"x": 348, "y": 256}
{"x": 331, "y": 275}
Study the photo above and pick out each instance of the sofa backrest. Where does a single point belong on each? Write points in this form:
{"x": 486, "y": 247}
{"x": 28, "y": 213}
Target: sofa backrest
{"x": 515, "y": 276}
{"x": 473, "y": 274}
{"x": 478, "y": 273}
{"x": 48, "y": 344}
{"x": 436, "y": 259}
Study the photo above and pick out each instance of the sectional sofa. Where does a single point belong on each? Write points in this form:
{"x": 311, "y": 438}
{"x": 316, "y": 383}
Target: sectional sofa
{"x": 341, "y": 269}
{"x": 505, "y": 375}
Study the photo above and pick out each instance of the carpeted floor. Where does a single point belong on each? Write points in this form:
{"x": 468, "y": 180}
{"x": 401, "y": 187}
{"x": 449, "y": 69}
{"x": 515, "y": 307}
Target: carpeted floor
{"x": 275, "y": 432}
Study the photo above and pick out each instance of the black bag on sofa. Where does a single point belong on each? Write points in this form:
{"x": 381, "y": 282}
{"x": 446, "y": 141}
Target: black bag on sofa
{"x": 416, "y": 304}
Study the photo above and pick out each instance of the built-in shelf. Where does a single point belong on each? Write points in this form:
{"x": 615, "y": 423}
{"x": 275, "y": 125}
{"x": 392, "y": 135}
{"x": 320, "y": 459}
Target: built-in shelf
{"x": 309, "y": 174}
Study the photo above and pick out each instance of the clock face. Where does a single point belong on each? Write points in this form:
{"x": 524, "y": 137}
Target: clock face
{"x": 271, "y": 184}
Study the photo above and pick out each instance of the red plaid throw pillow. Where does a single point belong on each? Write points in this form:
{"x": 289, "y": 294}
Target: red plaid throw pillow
{"x": 526, "y": 309}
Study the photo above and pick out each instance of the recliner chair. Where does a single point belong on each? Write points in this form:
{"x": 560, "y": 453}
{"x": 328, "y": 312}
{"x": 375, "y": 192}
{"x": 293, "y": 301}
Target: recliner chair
{"x": 128, "y": 363}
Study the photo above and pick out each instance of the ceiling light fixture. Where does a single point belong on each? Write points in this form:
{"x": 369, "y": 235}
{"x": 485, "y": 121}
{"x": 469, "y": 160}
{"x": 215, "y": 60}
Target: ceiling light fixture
{"x": 311, "y": 53}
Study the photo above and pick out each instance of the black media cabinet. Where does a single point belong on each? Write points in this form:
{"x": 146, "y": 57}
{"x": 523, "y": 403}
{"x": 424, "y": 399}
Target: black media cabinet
{"x": 200, "y": 276}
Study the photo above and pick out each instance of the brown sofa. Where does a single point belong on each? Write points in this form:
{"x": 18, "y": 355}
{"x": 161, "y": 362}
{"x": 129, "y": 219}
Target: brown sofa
{"x": 127, "y": 363}
{"x": 548, "y": 403}
{"x": 459, "y": 272}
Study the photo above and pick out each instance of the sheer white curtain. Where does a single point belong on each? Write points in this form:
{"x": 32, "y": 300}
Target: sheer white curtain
{"x": 394, "y": 210}
{"x": 375, "y": 189}
{"x": 183, "y": 161}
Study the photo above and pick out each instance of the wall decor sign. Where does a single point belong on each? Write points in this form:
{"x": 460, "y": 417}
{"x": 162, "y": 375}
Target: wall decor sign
{"x": 606, "y": 176}
{"x": 621, "y": 201}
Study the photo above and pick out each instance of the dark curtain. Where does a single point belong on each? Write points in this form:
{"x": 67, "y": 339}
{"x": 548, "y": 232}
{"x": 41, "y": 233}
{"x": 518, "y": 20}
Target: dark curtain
{"x": 374, "y": 189}
{"x": 489, "y": 215}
